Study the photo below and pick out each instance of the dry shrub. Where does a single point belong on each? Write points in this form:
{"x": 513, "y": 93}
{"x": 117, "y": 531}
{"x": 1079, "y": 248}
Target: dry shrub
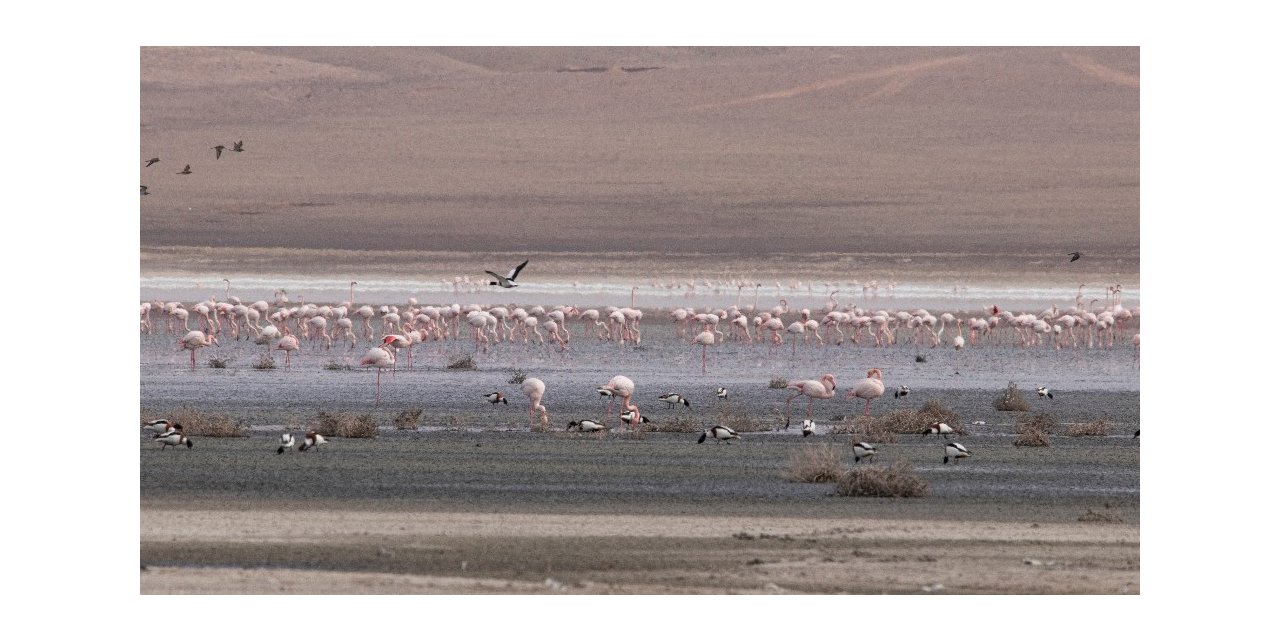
{"x": 219, "y": 362}
{"x": 209, "y": 424}
{"x": 636, "y": 432}
{"x": 1096, "y": 516}
{"x": 778, "y": 383}
{"x": 815, "y": 464}
{"x": 334, "y": 365}
{"x": 463, "y": 363}
{"x": 682, "y": 424}
{"x": 900, "y": 421}
{"x": 1038, "y": 422}
{"x": 265, "y": 362}
{"x": 742, "y": 422}
{"x": 1099, "y": 427}
{"x": 1031, "y": 438}
{"x": 868, "y": 428}
{"x": 1012, "y": 400}
{"x": 893, "y": 481}
{"x": 408, "y": 419}
{"x": 933, "y": 411}
{"x": 517, "y": 377}
{"x": 344, "y": 425}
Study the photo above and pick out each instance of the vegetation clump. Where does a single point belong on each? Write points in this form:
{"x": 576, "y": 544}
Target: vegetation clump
{"x": 334, "y": 365}
{"x": 517, "y": 377}
{"x": 1034, "y": 431}
{"x": 408, "y": 419}
{"x": 778, "y": 383}
{"x": 265, "y": 362}
{"x": 1099, "y": 427}
{"x": 894, "y": 481}
{"x": 344, "y": 425}
{"x": 1012, "y": 400}
{"x": 462, "y": 363}
{"x": 208, "y": 424}
{"x": 217, "y": 362}
{"x": 815, "y": 464}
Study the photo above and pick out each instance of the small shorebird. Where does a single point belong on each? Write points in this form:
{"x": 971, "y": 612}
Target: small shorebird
{"x": 939, "y": 428}
{"x": 862, "y": 450}
{"x": 144, "y": 190}
{"x": 585, "y": 426}
{"x": 286, "y": 443}
{"x": 901, "y": 392}
{"x": 1044, "y": 392}
{"x": 1075, "y": 255}
{"x": 954, "y": 450}
{"x": 311, "y": 441}
{"x": 807, "y": 429}
{"x": 509, "y": 280}
{"x": 152, "y": 161}
{"x": 496, "y": 397}
{"x": 185, "y": 171}
{"x": 172, "y": 438}
{"x": 630, "y": 417}
{"x": 722, "y": 393}
{"x": 721, "y": 433}
{"x": 217, "y": 152}
{"x": 673, "y": 399}
{"x": 237, "y": 146}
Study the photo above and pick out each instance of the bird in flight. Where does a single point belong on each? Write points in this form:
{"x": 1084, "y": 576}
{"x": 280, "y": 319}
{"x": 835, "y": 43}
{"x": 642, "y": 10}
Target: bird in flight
{"x": 509, "y": 280}
{"x": 237, "y": 146}
{"x": 1075, "y": 255}
{"x": 152, "y": 161}
{"x": 185, "y": 170}
{"x": 144, "y": 190}
{"x": 217, "y": 152}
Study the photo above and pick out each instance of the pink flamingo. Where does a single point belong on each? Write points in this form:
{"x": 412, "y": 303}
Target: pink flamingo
{"x": 288, "y": 345}
{"x": 196, "y": 340}
{"x": 535, "y": 388}
{"x": 382, "y": 358}
{"x": 868, "y": 389}
{"x": 620, "y": 386}
{"x": 706, "y": 338}
{"x": 823, "y": 388}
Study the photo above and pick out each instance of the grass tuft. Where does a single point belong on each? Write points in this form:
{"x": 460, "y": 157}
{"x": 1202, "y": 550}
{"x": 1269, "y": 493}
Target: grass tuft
{"x": 1097, "y": 516}
{"x": 900, "y": 421}
{"x": 1034, "y": 431}
{"x": 894, "y": 481}
{"x": 778, "y": 383}
{"x": 1099, "y": 427}
{"x": 209, "y": 424}
{"x": 1012, "y": 400}
{"x": 463, "y": 363}
{"x": 819, "y": 463}
{"x": 265, "y": 362}
{"x": 517, "y": 377}
{"x": 334, "y": 365}
{"x": 408, "y": 419}
{"x": 217, "y": 362}
{"x": 680, "y": 424}
{"x": 344, "y": 425}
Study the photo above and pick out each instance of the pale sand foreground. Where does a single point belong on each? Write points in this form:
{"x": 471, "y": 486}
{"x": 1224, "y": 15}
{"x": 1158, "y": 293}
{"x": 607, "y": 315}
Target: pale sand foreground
{"x": 470, "y": 553}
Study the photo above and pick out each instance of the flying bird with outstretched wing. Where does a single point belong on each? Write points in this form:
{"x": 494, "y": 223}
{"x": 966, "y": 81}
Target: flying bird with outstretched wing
{"x": 1075, "y": 255}
{"x": 152, "y": 161}
{"x": 509, "y": 280}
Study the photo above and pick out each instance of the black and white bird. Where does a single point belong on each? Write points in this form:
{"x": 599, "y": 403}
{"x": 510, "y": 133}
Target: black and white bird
{"x": 629, "y": 417}
{"x": 185, "y": 171}
{"x": 939, "y": 428}
{"x": 1135, "y": 433}
{"x": 673, "y": 399}
{"x": 162, "y": 426}
{"x": 152, "y": 161}
{"x": 979, "y": 423}
{"x": 605, "y": 392}
{"x": 311, "y": 441}
{"x": 862, "y": 450}
{"x": 901, "y": 392}
{"x": 721, "y": 433}
{"x": 954, "y": 450}
{"x": 217, "y": 151}
{"x": 237, "y": 146}
{"x": 495, "y": 397}
{"x": 286, "y": 443}
{"x": 585, "y": 426}
{"x": 808, "y": 428}
{"x": 722, "y": 393}
{"x": 1044, "y": 392}
{"x": 173, "y": 438}
{"x": 509, "y": 280}
{"x": 1075, "y": 255}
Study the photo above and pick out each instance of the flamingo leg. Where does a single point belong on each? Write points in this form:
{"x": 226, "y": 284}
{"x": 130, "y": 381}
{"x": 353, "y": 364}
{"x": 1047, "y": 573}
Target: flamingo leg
{"x": 867, "y": 410}
{"x": 377, "y": 393}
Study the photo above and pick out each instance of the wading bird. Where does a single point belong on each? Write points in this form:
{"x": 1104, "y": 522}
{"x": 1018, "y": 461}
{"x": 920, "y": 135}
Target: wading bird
{"x": 673, "y": 399}
{"x": 823, "y": 388}
{"x": 721, "y": 433}
{"x": 311, "y": 441}
{"x": 868, "y": 389}
{"x": 862, "y": 450}
{"x": 954, "y": 450}
{"x": 1044, "y": 392}
{"x": 939, "y": 428}
{"x": 286, "y": 443}
{"x": 495, "y": 397}
{"x": 535, "y": 388}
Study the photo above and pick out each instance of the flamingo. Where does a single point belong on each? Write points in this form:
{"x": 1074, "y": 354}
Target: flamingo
{"x": 623, "y": 387}
{"x": 534, "y": 388}
{"x": 706, "y": 339}
{"x": 287, "y": 344}
{"x": 823, "y": 388}
{"x": 382, "y": 358}
{"x": 196, "y": 340}
{"x": 862, "y": 450}
{"x": 721, "y": 433}
{"x": 868, "y": 389}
